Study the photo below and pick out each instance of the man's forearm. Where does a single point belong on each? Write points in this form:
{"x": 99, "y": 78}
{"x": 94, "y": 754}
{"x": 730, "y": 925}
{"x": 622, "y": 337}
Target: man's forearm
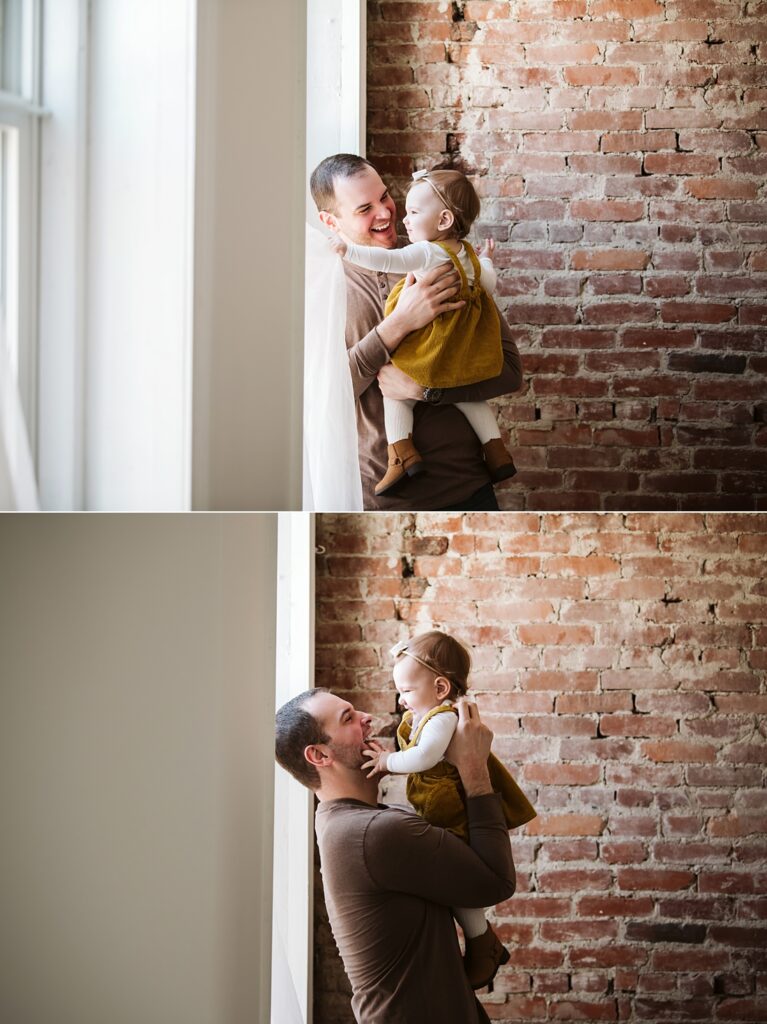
{"x": 391, "y": 331}
{"x": 476, "y": 779}
{"x": 366, "y": 358}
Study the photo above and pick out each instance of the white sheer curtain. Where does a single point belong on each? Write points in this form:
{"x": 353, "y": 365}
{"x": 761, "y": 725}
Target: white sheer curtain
{"x": 285, "y": 1004}
{"x": 331, "y": 465}
{"x": 18, "y": 488}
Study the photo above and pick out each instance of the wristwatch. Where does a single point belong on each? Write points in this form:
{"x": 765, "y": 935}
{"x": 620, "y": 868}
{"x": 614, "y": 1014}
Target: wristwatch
{"x": 432, "y": 395}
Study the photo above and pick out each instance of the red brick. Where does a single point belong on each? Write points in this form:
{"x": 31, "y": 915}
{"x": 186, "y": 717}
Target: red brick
{"x": 562, "y": 681}
{"x": 680, "y": 163}
{"x": 628, "y": 852}
{"x": 742, "y": 1009}
{"x": 566, "y": 825}
{"x": 609, "y": 956}
{"x": 563, "y": 774}
{"x": 574, "y": 880}
{"x": 732, "y": 935}
{"x": 609, "y": 259}
{"x": 638, "y": 142}
{"x": 627, "y": 9}
{"x": 677, "y": 750}
{"x": 600, "y": 75}
{"x": 665, "y": 880}
{"x": 718, "y": 188}
{"x": 607, "y": 210}
{"x": 554, "y": 634}
{"x": 615, "y": 906}
{"x": 636, "y": 725}
{"x": 559, "y": 725}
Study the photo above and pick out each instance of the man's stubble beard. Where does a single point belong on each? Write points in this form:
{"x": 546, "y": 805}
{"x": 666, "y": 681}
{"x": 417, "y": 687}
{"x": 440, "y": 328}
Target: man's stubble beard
{"x": 347, "y": 754}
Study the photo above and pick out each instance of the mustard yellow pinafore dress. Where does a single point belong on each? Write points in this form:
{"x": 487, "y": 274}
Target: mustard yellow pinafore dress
{"x": 462, "y": 346}
{"x": 438, "y": 795}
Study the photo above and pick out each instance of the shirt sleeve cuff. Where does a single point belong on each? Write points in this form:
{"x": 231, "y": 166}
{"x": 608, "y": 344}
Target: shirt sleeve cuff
{"x": 372, "y": 352}
{"x": 485, "y": 809}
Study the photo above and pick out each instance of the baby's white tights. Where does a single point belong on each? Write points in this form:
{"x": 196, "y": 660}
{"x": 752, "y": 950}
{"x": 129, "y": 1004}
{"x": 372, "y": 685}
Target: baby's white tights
{"x": 398, "y": 419}
{"x": 472, "y": 920}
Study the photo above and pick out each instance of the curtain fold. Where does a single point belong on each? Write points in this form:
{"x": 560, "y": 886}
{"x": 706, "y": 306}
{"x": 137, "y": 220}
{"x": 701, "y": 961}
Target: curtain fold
{"x": 332, "y": 480}
{"x": 18, "y": 487}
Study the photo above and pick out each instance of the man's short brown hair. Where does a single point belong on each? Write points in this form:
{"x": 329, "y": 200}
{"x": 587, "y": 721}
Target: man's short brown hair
{"x": 322, "y": 181}
{"x": 295, "y": 730}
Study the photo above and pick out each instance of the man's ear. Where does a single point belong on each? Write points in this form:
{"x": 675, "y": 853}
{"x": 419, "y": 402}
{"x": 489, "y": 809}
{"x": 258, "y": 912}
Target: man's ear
{"x": 329, "y": 220}
{"x": 316, "y": 756}
{"x": 442, "y": 687}
{"x": 446, "y": 220}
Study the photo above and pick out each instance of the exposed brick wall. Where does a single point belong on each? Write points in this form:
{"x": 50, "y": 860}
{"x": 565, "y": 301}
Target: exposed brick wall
{"x": 620, "y": 148}
{"x": 620, "y": 660}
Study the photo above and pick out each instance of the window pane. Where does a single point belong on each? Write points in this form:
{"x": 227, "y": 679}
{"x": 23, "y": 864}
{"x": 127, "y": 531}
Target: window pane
{"x": 9, "y": 233}
{"x": 12, "y": 45}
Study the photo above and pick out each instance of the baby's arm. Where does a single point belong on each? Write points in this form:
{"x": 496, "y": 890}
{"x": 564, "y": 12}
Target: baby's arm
{"x": 430, "y": 749}
{"x": 488, "y": 277}
{"x": 418, "y": 256}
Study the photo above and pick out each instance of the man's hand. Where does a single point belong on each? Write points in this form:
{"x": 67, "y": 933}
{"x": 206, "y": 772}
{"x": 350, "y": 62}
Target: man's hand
{"x": 376, "y": 763}
{"x": 420, "y": 302}
{"x": 469, "y": 749}
{"x": 395, "y": 383}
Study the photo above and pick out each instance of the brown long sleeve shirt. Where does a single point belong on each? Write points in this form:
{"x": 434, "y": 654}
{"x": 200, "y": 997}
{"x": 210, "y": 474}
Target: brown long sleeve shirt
{"x": 451, "y": 449}
{"x": 390, "y": 880}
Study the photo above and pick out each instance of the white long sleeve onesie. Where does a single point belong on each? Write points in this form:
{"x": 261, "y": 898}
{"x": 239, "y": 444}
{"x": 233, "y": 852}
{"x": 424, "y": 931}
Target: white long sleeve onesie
{"x": 417, "y": 259}
{"x": 432, "y": 743}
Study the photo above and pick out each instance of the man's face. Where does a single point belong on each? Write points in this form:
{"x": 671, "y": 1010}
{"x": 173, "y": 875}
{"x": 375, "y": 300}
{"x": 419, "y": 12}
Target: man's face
{"x": 365, "y": 212}
{"x": 347, "y": 728}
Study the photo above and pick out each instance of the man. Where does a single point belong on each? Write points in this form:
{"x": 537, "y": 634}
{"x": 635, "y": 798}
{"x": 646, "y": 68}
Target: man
{"x": 351, "y": 198}
{"x": 389, "y": 877}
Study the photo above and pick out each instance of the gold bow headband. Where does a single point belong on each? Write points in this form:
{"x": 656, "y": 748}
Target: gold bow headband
{"x": 424, "y": 176}
{"x": 402, "y": 648}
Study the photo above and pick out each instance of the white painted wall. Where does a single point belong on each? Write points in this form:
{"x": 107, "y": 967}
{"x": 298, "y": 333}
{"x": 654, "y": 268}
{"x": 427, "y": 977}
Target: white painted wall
{"x": 137, "y": 662}
{"x": 249, "y": 255}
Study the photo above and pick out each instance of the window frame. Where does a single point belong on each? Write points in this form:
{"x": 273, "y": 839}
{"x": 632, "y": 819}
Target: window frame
{"x": 21, "y": 118}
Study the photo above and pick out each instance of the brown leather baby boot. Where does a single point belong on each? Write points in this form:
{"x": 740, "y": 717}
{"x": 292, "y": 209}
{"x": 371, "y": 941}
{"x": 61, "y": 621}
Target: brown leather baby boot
{"x": 499, "y": 463}
{"x": 484, "y": 955}
{"x": 404, "y": 460}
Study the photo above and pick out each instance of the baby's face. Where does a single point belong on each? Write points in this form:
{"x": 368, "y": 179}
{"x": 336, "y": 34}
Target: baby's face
{"x": 423, "y": 216}
{"x": 416, "y": 685}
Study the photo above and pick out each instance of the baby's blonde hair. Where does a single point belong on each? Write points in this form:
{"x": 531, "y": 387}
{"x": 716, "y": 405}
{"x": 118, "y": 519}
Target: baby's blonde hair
{"x": 444, "y": 655}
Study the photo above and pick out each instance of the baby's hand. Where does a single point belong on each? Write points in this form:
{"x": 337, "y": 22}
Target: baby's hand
{"x": 376, "y": 762}
{"x": 487, "y": 250}
{"x": 338, "y": 245}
